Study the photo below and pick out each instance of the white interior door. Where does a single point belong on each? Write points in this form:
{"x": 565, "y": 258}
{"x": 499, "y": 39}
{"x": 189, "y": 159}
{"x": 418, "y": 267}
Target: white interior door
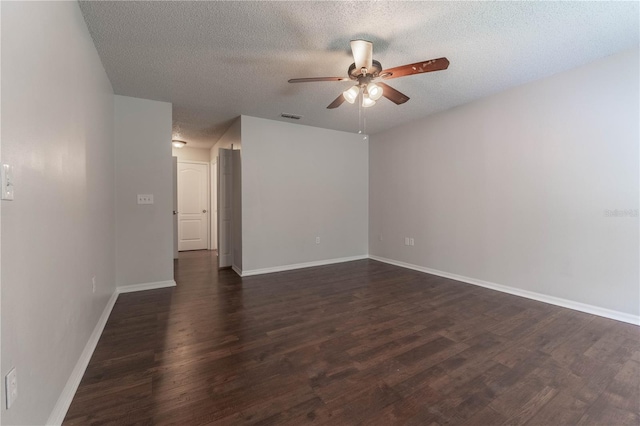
{"x": 225, "y": 200}
{"x": 175, "y": 207}
{"x": 193, "y": 205}
{"x": 214, "y": 205}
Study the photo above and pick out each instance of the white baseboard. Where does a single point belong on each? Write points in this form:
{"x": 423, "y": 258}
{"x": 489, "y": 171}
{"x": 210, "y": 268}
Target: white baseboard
{"x": 565, "y": 303}
{"x": 236, "y": 270}
{"x": 145, "y": 286}
{"x": 69, "y": 391}
{"x": 301, "y": 265}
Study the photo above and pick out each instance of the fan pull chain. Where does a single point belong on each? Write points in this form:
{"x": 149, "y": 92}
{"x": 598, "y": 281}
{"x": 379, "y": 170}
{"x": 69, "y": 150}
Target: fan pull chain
{"x": 360, "y": 112}
{"x": 362, "y": 119}
{"x": 364, "y": 126}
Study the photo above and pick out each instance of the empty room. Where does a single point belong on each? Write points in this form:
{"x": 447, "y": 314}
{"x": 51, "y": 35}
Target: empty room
{"x": 305, "y": 212}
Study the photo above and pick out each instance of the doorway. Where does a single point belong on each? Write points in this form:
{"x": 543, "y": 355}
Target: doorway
{"x": 193, "y": 205}
{"x": 225, "y": 199}
{"x": 229, "y": 209}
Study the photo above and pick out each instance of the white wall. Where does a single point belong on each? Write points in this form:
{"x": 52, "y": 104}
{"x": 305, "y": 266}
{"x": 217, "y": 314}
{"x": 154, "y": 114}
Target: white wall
{"x": 57, "y": 132}
{"x": 144, "y": 233}
{"x": 513, "y": 189}
{"x": 191, "y": 154}
{"x": 299, "y": 182}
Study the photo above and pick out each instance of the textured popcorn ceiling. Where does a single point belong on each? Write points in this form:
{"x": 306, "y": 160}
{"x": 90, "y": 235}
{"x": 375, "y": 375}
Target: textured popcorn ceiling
{"x": 217, "y": 60}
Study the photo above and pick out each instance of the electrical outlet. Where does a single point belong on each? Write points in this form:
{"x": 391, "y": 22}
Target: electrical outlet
{"x": 145, "y": 198}
{"x": 317, "y": 240}
{"x": 7, "y": 182}
{"x": 406, "y": 241}
{"x": 411, "y": 242}
{"x": 93, "y": 284}
{"x": 11, "y": 387}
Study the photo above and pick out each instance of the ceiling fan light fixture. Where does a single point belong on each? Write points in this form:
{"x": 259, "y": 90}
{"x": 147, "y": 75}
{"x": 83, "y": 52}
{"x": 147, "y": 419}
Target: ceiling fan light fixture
{"x": 367, "y": 101}
{"x": 177, "y": 143}
{"x": 364, "y": 70}
{"x": 374, "y": 91}
{"x": 351, "y": 94}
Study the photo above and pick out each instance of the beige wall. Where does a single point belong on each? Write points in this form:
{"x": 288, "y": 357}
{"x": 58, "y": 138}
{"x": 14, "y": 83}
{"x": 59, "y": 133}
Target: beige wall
{"x": 513, "y": 189}
{"x": 58, "y": 233}
{"x": 144, "y": 233}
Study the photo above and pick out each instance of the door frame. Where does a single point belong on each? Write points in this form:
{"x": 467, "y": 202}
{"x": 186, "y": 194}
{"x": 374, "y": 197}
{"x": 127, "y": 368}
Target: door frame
{"x": 208, "y": 202}
{"x": 213, "y": 204}
{"x": 175, "y": 206}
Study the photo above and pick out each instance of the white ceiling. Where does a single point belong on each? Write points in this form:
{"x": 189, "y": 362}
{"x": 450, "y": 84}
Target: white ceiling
{"x": 217, "y": 60}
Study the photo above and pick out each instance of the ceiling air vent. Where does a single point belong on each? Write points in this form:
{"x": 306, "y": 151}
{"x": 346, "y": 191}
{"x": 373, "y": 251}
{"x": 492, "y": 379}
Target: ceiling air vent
{"x": 290, "y": 116}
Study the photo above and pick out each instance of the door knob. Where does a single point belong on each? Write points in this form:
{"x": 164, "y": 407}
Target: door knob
{"x": 175, "y": 212}
{"x": 204, "y": 211}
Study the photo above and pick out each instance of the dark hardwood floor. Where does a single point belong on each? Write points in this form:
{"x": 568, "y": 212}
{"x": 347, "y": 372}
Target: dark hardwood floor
{"x": 354, "y": 343}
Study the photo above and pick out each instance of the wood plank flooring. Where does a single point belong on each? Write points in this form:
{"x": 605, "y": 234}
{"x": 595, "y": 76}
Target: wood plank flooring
{"x": 355, "y": 343}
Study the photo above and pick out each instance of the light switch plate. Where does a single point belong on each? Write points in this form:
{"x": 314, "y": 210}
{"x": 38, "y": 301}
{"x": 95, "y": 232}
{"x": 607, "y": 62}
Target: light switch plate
{"x": 7, "y": 182}
{"x": 145, "y": 198}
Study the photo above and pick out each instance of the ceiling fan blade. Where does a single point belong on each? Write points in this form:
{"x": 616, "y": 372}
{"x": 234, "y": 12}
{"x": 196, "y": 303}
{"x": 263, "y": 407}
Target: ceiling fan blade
{"x": 337, "y": 102}
{"x": 417, "y": 68}
{"x": 362, "y": 54}
{"x": 311, "y": 79}
{"x": 392, "y": 94}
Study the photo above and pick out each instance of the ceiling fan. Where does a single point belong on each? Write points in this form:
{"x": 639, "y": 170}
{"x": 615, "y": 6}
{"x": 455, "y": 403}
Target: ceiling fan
{"x": 368, "y": 75}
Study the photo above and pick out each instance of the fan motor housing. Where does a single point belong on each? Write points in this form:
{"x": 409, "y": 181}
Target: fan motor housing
{"x": 374, "y": 71}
